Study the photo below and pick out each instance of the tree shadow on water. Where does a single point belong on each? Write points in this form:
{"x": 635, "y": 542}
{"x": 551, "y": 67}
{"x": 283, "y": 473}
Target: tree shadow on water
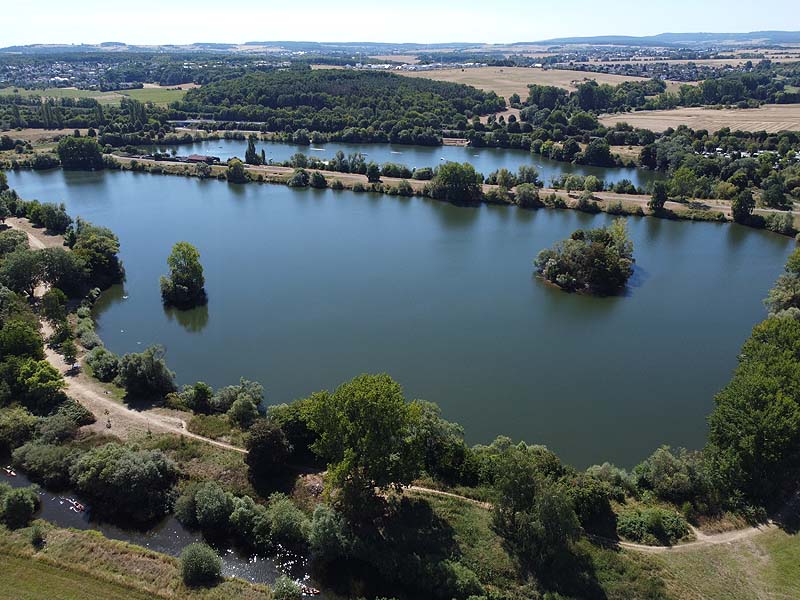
{"x": 193, "y": 320}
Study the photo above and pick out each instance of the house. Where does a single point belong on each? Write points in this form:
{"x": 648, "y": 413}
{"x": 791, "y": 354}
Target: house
{"x": 201, "y": 158}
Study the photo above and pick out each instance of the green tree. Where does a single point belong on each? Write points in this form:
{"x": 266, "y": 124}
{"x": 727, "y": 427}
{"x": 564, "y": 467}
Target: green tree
{"x": 251, "y": 155}
{"x": 236, "y": 173}
{"x": 364, "y": 431}
{"x": 531, "y": 514}
{"x": 80, "y": 153}
{"x": 21, "y": 338}
{"x": 213, "y": 506}
{"x": 54, "y": 305}
{"x": 200, "y": 565}
{"x": 683, "y": 183}
{"x": 742, "y": 206}
{"x": 243, "y": 412}
{"x": 268, "y": 449}
{"x": 754, "y": 429}
{"x": 373, "y": 172}
{"x": 457, "y": 183}
{"x": 658, "y": 197}
{"x": 70, "y": 352}
{"x": 125, "y": 482}
{"x": 22, "y": 271}
{"x": 43, "y": 383}
{"x": 145, "y": 375}
{"x": 17, "y": 507}
{"x": 16, "y": 427}
{"x": 184, "y": 287}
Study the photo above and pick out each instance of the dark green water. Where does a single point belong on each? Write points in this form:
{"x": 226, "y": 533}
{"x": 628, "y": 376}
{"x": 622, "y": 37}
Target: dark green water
{"x": 308, "y": 288}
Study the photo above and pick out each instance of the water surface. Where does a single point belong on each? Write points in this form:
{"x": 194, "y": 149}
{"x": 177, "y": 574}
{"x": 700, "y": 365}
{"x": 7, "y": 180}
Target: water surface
{"x": 308, "y": 288}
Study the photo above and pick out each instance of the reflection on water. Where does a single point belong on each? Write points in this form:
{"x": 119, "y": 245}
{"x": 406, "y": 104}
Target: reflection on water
{"x": 193, "y": 320}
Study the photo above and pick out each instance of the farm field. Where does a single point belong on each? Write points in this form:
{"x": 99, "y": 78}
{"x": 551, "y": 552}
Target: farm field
{"x": 509, "y": 80}
{"x": 154, "y": 94}
{"x": 771, "y": 118}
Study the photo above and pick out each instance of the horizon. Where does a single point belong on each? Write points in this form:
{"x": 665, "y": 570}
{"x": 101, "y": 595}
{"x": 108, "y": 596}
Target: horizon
{"x": 417, "y": 22}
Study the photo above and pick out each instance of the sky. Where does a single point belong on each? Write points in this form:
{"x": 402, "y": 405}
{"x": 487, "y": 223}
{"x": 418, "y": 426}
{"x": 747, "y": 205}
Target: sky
{"x": 423, "y": 21}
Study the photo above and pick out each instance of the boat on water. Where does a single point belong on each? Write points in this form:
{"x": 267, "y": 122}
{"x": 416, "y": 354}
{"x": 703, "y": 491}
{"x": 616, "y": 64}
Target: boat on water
{"x": 307, "y": 590}
{"x": 9, "y": 471}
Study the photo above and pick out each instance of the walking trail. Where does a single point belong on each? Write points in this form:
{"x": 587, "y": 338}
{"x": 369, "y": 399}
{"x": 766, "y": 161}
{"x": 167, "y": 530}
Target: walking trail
{"x": 116, "y": 418}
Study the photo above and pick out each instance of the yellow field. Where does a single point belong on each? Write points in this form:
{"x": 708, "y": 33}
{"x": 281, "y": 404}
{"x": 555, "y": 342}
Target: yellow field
{"x": 771, "y": 118}
{"x": 505, "y": 81}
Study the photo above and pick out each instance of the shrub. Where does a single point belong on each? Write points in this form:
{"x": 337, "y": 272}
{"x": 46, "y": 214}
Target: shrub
{"x": 213, "y": 506}
{"x": 299, "y": 178}
{"x": 337, "y": 184}
{"x": 654, "y": 525}
{"x": 268, "y": 449}
{"x": 782, "y": 223}
{"x": 17, "y": 507}
{"x": 318, "y": 180}
{"x": 243, "y": 412}
{"x": 145, "y": 374}
{"x": 37, "y": 536}
{"x": 286, "y": 589}
{"x": 329, "y": 536}
{"x": 527, "y": 196}
{"x": 200, "y": 565}
{"x": 46, "y": 463}
{"x": 287, "y": 523}
{"x": 104, "y": 363}
{"x": 16, "y": 427}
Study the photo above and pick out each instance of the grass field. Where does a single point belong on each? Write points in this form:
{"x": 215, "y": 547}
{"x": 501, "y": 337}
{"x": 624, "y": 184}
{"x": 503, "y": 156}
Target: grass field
{"x": 156, "y": 95}
{"x": 509, "y": 80}
{"x": 771, "y": 118}
{"x": 766, "y": 567}
{"x": 35, "y": 580}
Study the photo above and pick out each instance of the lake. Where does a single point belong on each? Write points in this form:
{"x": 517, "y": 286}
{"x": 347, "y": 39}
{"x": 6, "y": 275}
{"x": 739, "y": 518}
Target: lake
{"x": 308, "y": 288}
{"x": 485, "y": 160}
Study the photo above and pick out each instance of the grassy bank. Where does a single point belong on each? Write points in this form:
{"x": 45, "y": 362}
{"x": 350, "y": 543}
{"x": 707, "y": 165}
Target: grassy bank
{"x": 765, "y": 566}
{"x": 84, "y": 564}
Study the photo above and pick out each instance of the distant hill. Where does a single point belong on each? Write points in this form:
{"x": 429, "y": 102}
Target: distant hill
{"x": 679, "y": 39}
{"x": 698, "y": 39}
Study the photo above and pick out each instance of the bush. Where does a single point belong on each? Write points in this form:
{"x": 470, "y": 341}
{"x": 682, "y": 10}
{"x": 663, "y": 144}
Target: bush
{"x": 125, "y": 482}
{"x": 16, "y": 428}
{"x": 213, "y": 506}
{"x": 337, "y": 184}
{"x": 104, "y": 364}
{"x": 286, "y": 589}
{"x": 145, "y": 375}
{"x": 287, "y": 523}
{"x": 37, "y": 536}
{"x": 268, "y": 449}
{"x": 299, "y": 178}
{"x": 655, "y": 526}
{"x": 17, "y": 507}
{"x": 329, "y": 536}
{"x": 200, "y": 565}
{"x": 527, "y": 196}
{"x": 318, "y": 180}
{"x": 782, "y": 223}
{"x": 47, "y": 464}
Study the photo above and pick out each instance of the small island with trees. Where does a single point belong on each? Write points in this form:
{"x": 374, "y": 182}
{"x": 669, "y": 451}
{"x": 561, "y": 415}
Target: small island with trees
{"x": 185, "y": 286}
{"x": 596, "y": 261}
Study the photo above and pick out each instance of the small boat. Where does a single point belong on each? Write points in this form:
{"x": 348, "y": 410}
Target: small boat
{"x": 317, "y": 149}
{"x": 307, "y": 590}
{"x": 76, "y": 506}
{"x": 9, "y": 471}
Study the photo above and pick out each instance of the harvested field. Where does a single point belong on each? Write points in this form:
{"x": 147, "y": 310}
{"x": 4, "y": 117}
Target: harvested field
{"x": 509, "y": 80}
{"x": 40, "y": 136}
{"x": 771, "y": 118}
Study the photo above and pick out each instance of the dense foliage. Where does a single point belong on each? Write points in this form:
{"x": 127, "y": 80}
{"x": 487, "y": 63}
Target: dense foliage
{"x": 599, "y": 261}
{"x": 184, "y": 287}
{"x": 354, "y": 105}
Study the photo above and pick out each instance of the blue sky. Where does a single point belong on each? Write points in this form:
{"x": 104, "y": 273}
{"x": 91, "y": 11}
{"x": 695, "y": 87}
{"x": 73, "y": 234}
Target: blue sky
{"x": 181, "y": 21}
